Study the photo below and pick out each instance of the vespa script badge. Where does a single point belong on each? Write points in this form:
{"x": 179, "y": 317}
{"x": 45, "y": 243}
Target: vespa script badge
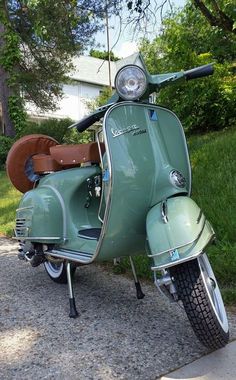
{"x": 132, "y": 128}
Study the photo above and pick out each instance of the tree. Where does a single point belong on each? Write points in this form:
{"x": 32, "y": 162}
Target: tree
{"x": 187, "y": 40}
{"x": 103, "y": 55}
{"x": 37, "y": 41}
{"x": 218, "y": 13}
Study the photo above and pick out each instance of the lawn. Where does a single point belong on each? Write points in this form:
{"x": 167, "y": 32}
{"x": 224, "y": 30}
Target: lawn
{"x": 213, "y": 160}
{"x": 9, "y": 200}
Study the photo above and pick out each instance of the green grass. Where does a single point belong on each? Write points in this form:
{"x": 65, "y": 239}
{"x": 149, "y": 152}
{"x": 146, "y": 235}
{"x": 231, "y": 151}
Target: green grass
{"x": 213, "y": 160}
{"x": 9, "y": 200}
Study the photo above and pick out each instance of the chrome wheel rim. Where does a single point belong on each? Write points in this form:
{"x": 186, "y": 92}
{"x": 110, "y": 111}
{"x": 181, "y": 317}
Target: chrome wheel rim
{"x": 54, "y": 269}
{"x": 213, "y": 291}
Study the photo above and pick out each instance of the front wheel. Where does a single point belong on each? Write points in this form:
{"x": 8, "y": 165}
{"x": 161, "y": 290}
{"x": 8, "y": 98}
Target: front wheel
{"x": 197, "y": 288}
{"x": 57, "y": 271}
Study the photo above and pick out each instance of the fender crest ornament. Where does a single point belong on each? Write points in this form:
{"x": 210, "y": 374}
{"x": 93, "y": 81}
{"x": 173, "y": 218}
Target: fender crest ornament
{"x": 177, "y": 179}
{"x": 132, "y": 128}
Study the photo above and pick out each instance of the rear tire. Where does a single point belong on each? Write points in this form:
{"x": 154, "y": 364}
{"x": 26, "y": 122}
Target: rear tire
{"x": 57, "y": 271}
{"x": 197, "y": 288}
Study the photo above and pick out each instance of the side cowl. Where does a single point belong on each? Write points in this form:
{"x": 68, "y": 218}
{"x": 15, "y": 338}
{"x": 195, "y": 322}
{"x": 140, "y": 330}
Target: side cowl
{"x": 177, "y": 231}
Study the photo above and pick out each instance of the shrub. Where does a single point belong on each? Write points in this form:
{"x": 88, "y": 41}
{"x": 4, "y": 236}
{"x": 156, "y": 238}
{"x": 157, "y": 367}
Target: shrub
{"x": 52, "y": 127}
{"x": 73, "y": 137}
{"x": 204, "y": 104}
{"x": 5, "y": 145}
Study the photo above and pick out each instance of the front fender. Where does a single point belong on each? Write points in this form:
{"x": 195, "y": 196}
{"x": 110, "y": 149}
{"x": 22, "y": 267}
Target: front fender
{"x": 177, "y": 231}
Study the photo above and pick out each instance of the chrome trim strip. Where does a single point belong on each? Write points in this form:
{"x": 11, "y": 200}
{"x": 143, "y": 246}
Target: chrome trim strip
{"x": 31, "y": 238}
{"x": 101, "y": 159}
{"x": 87, "y": 237}
{"x": 199, "y": 216}
{"x": 24, "y": 208}
{"x": 61, "y": 200}
{"x": 186, "y": 151}
{"x": 99, "y": 147}
{"x": 177, "y": 262}
{"x": 78, "y": 257}
{"x": 164, "y": 211}
{"x": 107, "y": 210}
{"x": 180, "y": 246}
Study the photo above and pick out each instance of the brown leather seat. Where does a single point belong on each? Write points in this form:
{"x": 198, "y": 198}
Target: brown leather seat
{"x": 19, "y": 160}
{"x": 44, "y": 163}
{"x": 74, "y": 155}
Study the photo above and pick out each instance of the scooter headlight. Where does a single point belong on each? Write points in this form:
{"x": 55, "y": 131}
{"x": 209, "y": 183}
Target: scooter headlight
{"x": 131, "y": 82}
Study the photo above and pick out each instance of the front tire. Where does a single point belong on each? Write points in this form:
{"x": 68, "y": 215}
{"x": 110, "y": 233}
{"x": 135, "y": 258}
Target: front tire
{"x": 197, "y": 288}
{"x": 57, "y": 271}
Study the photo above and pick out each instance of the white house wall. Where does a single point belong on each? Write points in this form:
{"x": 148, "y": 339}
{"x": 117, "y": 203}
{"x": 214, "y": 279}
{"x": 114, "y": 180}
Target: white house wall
{"x": 73, "y": 104}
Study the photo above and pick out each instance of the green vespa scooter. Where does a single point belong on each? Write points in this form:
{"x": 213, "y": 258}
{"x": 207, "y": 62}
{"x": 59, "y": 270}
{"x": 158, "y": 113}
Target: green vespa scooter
{"x": 126, "y": 194}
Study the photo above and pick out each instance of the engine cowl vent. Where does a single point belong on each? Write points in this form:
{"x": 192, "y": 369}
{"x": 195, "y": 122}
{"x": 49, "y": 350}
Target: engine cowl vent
{"x": 21, "y": 228}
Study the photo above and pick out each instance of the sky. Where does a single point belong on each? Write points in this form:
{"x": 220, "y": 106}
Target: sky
{"x": 127, "y": 40}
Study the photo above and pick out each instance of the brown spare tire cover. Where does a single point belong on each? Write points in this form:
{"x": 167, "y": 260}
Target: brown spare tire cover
{"x": 19, "y": 163}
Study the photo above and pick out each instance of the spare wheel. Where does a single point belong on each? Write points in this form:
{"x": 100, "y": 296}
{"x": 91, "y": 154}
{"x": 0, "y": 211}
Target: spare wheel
{"x": 19, "y": 160}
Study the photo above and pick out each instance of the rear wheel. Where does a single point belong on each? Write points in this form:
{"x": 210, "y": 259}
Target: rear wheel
{"x": 57, "y": 271}
{"x": 197, "y": 288}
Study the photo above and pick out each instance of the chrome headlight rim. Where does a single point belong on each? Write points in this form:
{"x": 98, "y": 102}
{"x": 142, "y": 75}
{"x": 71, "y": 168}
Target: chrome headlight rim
{"x": 118, "y": 75}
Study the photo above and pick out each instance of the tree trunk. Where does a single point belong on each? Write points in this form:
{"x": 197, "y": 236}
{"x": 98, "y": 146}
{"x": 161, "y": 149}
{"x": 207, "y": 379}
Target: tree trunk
{"x": 217, "y": 18}
{"x": 5, "y": 93}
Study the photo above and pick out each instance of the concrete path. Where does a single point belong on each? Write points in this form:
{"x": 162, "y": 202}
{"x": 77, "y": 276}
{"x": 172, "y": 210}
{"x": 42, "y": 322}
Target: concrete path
{"x": 219, "y": 365}
{"x": 115, "y": 337}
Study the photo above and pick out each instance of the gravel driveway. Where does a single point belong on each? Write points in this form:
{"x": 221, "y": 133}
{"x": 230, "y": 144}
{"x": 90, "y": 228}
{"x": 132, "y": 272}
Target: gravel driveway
{"x": 115, "y": 337}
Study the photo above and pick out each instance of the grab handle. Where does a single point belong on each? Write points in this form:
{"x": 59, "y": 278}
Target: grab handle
{"x": 198, "y": 72}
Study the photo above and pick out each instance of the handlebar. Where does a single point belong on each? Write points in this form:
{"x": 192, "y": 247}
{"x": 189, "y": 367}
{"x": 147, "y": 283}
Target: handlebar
{"x": 86, "y": 122}
{"x": 89, "y": 120}
{"x": 155, "y": 81}
{"x": 199, "y": 72}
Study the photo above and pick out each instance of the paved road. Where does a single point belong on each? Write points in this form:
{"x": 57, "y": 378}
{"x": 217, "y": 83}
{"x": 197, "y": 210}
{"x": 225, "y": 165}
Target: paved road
{"x": 116, "y": 336}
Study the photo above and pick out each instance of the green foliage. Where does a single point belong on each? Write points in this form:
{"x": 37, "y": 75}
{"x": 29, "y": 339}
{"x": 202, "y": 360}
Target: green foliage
{"x": 101, "y": 99}
{"x": 10, "y": 53}
{"x": 10, "y": 56}
{"x": 103, "y": 55}
{"x": 220, "y": 14}
{"x": 17, "y": 113}
{"x": 213, "y": 158}
{"x": 52, "y": 127}
{"x": 5, "y": 145}
{"x": 223, "y": 259}
{"x": 187, "y": 41}
{"x": 38, "y": 40}
{"x": 47, "y": 50}
{"x": 72, "y": 136}
{"x": 58, "y": 129}
{"x": 9, "y": 201}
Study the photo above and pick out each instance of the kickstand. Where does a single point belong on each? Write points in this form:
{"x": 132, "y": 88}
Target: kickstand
{"x": 73, "y": 311}
{"x": 139, "y": 292}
